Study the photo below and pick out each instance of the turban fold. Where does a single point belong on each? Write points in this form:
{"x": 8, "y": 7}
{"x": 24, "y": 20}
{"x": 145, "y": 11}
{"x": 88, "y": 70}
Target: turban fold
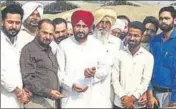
{"x": 86, "y": 16}
{"x": 30, "y": 7}
{"x": 99, "y": 14}
{"x": 120, "y": 24}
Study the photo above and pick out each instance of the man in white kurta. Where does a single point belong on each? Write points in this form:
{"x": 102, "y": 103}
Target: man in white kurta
{"x": 74, "y": 57}
{"x": 104, "y": 19}
{"x": 10, "y": 73}
{"x": 11, "y": 80}
{"x": 132, "y": 70}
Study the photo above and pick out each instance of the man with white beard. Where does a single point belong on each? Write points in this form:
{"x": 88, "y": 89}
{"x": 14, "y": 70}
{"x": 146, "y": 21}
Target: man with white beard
{"x": 103, "y": 23}
{"x": 104, "y": 19}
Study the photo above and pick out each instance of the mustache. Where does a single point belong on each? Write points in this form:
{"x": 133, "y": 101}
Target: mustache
{"x": 131, "y": 41}
{"x": 61, "y": 38}
{"x": 34, "y": 23}
{"x": 13, "y": 30}
{"x": 80, "y": 33}
{"x": 163, "y": 24}
{"x": 47, "y": 39}
{"x": 102, "y": 31}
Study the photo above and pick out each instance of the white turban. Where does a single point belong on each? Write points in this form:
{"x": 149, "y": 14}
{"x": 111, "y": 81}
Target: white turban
{"x": 119, "y": 24}
{"x": 30, "y": 7}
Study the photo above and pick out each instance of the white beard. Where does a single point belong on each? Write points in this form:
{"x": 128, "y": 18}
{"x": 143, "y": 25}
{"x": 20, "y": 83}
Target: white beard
{"x": 102, "y": 35}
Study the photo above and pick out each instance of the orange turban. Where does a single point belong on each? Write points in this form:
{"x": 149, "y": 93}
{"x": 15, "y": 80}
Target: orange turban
{"x": 86, "y": 16}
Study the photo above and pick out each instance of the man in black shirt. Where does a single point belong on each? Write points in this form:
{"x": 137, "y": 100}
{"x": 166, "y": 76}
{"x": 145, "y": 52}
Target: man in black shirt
{"x": 39, "y": 68}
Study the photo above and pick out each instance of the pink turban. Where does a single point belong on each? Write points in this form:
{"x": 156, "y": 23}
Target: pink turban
{"x": 86, "y": 16}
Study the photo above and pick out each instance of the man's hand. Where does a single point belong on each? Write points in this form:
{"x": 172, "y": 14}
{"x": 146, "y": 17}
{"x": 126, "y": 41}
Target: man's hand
{"x": 123, "y": 101}
{"x": 172, "y": 105}
{"x": 55, "y": 94}
{"x": 142, "y": 100}
{"x": 151, "y": 100}
{"x": 21, "y": 95}
{"x": 128, "y": 102}
{"x": 29, "y": 94}
{"x": 18, "y": 92}
{"x": 90, "y": 72}
{"x": 25, "y": 97}
{"x": 79, "y": 88}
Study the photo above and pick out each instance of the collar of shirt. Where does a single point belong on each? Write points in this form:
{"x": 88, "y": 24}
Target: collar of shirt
{"x": 141, "y": 50}
{"x": 173, "y": 34}
{"x": 44, "y": 48}
{"x": 22, "y": 27}
{"x": 8, "y": 40}
{"x": 145, "y": 45}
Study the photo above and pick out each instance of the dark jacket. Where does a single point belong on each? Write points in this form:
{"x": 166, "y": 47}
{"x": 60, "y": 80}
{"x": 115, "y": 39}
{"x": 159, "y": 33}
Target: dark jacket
{"x": 39, "y": 68}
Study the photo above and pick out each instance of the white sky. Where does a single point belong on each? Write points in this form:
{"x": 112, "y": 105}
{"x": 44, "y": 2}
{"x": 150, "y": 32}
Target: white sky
{"x": 160, "y": 2}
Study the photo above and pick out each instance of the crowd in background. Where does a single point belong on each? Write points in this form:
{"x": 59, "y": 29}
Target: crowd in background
{"x": 92, "y": 60}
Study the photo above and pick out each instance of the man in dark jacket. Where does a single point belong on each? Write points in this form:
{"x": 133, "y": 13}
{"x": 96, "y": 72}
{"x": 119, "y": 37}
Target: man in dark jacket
{"x": 39, "y": 68}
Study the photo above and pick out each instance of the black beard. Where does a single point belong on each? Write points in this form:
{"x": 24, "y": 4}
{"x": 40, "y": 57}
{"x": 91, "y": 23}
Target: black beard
{"x": 30, "y": 27}
{"x": 44, "y": 43}
{"x": 78, "y": 38}
{"x": 9, "y": 34}
{"x": 146, "y": 39}
{"x": 133, "y": 45}
{"x": 58, "y": 40}
{"x": 123, "y": 35}
{"x": 166, "y": 28}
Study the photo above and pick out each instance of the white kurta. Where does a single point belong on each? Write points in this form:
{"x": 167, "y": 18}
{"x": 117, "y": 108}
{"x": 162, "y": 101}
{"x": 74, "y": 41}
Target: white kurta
{"x": 54, "y": 47}
{"x": 111, "y": 47}
{"x": 10, "y": 72}
{"x": 131, "y": 74}
{"x": 24, "y": 36}
{"x": 73, "y": 58}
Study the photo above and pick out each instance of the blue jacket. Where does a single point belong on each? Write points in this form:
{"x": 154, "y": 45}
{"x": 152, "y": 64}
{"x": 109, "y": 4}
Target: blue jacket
{"x": 164, "y": 72}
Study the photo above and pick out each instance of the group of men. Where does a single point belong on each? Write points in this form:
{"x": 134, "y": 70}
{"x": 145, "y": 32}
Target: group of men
{"x": 105, "y": 61}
